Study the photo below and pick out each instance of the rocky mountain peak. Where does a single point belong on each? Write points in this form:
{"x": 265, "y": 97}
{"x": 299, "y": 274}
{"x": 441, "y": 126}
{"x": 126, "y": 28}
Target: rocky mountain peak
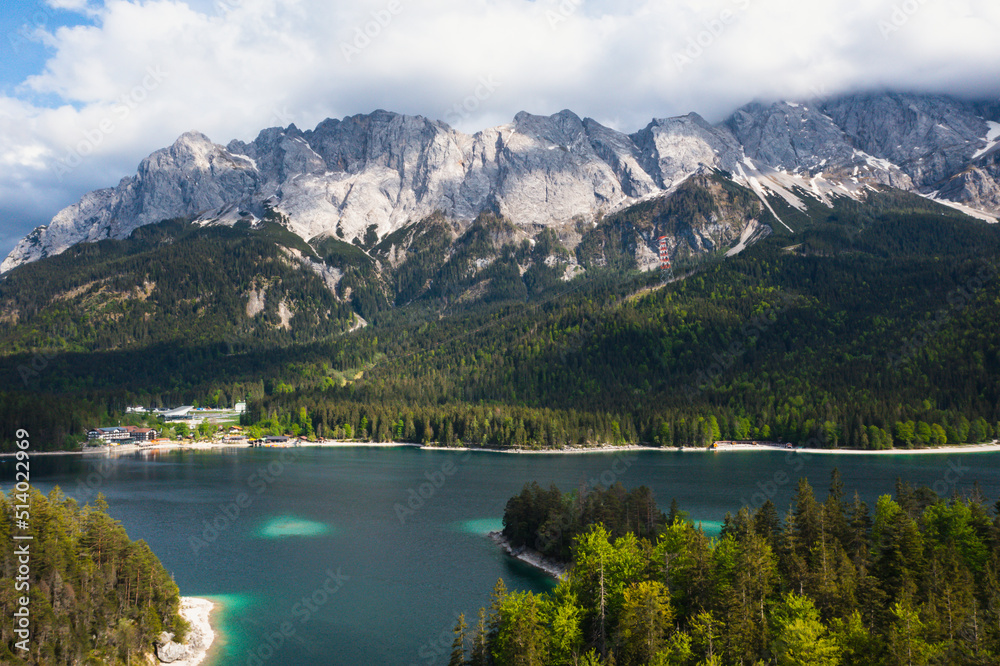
{"x": 377, "y": 172}
{"x": 789, "y": 135}
{"x": 561, "y": 129}
{"x": 673, "y": 148}
{"x": 800, "y": 138}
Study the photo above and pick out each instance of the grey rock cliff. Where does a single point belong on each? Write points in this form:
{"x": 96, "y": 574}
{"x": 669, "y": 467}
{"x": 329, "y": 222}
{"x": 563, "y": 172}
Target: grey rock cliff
{"x": 929, "y": 137}
{"x": 798, "y": 137}
{"x": 674, "y": 148}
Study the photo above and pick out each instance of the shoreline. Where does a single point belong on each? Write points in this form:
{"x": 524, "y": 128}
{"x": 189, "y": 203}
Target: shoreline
{"x": 988, "y": 447}
{"x": 530, "y": 557}
{"x": 198, "y": 612}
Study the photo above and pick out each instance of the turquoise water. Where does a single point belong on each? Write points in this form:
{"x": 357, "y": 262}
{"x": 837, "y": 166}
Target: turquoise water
{"x": 480, "y": 526}
{"x": 711, "y": 527}
{"x": 277, "y": 527}
{"x": 228, "y": 609}
{"x": 367, "y": 555}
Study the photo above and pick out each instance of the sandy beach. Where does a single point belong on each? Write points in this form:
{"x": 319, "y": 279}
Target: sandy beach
{"x": 200, "y": 636}
{"x": 990, "y": 447}
{"x": 336, "y": 443}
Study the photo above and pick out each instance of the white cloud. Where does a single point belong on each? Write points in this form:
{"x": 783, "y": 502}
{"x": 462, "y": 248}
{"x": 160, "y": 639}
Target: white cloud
{"x": 71, "y": 5}
{"x": 145, "y": 72}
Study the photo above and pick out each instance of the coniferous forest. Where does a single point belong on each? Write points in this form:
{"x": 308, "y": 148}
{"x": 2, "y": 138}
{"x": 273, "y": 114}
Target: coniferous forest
{"x": 910, "y": 580}
{"x": 873, "y": 326}
{"x": 96, "y": 597}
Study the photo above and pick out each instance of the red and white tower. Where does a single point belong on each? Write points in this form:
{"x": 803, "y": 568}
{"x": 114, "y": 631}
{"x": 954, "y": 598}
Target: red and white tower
{"x": 665, "y": 266}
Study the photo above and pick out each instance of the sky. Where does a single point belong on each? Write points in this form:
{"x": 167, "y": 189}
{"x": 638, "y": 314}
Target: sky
{"x": 89, "y": 87}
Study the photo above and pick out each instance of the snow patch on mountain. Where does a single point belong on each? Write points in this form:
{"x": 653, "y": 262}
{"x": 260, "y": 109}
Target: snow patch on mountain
{"x": 992, "y": 139}
{"x": 751, "y": 233}
{"x": 971, "y": 212}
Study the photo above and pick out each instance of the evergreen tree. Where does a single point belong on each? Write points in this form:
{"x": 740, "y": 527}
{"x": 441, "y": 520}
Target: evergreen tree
{"x": 645, "y": 623}
{"x": 800, "y": 637}
{"x": 458, "y": 645}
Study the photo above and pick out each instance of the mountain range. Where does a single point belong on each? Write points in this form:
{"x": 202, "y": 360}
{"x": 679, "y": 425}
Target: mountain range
{"x": 362, "y": 178}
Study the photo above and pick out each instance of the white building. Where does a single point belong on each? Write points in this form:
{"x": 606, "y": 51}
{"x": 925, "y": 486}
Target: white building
{"x": 109, "y": 435}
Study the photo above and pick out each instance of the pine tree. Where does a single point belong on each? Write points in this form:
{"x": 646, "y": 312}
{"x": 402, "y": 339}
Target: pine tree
{"x": 801, "y": 639}
{"x": 480, "y": 654}
{"x": 644, "y": 624}
{"x": 807, "y": 518}
{"x": 907, "y": 644}
{"x": 520, "y": 639}
{"x": 458, "y": 645}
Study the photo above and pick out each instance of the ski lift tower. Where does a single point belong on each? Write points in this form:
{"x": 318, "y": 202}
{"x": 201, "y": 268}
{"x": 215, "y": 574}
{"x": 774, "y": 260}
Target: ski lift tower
{"x": 665, "y": 268}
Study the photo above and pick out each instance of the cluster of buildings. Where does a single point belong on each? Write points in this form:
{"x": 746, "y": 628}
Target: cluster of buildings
{"x": 184, "y": 412}
{"x": 121, "y": 435}
{"x": 278, "y": 441}
{"x": 236, "y": 436}
{"x": 115, "y": 435}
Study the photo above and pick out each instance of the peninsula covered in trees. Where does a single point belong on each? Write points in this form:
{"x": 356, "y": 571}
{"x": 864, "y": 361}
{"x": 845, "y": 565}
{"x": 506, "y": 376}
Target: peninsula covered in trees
{"x": 96, "y": 596}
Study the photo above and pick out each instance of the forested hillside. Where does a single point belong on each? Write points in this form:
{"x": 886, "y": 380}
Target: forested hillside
{"x": 95, "y": 595}
{"x": 873, "y": 325}
{"x": 912, "y": 580}
{"x": 875, "y": 328}
{"x": 171, "y": 283}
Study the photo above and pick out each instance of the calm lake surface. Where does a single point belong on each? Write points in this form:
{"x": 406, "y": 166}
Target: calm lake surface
{"x": 384, "y": 571}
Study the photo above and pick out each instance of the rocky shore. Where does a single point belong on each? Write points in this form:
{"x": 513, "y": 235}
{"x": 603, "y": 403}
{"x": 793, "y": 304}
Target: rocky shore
{"x": 530, "y": 556}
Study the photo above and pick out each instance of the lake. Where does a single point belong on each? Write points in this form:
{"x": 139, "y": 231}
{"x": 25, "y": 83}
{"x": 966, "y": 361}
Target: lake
{"x": 360, "y": 555}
